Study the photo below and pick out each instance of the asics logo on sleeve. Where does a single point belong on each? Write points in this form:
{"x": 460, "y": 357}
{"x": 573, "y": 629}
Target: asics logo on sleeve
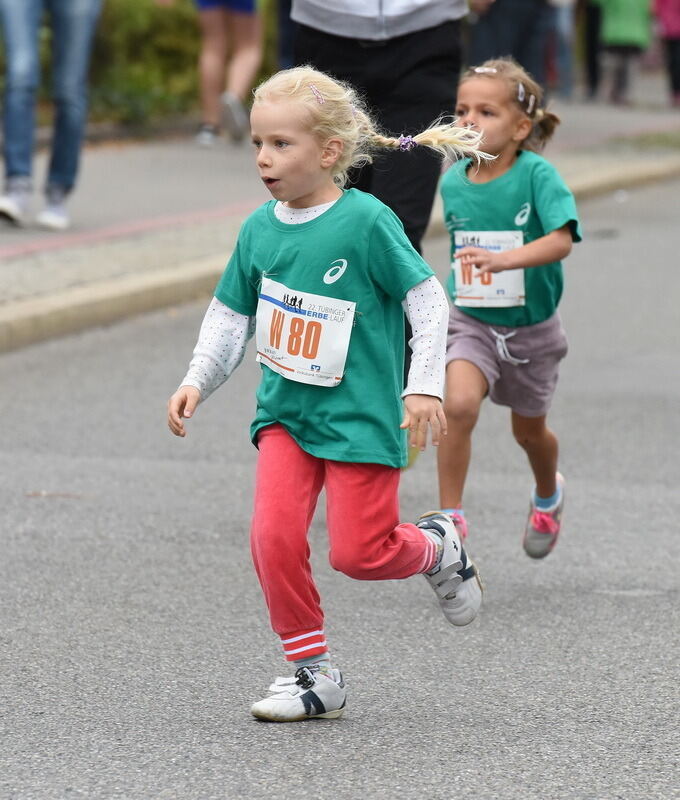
{"x": 523, "y": 214}
{"x": 336, "y": 271}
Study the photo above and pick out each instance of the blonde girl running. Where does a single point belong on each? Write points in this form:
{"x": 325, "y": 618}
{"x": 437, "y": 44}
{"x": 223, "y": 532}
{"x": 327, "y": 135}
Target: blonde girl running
{"x": 322, "y": 275}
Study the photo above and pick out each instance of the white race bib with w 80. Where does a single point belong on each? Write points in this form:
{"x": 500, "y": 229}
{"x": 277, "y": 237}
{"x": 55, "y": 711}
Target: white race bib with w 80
{"x": 303, "y": 336}
{"x": 492, "y": 289}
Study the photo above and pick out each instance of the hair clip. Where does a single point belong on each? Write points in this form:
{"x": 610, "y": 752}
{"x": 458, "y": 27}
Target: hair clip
{"x": 353, "y": 109}
{"x": 485, "y": 70}
{"x": 531, "y": 103}
{"x": 406, "y": 143}
{"x": 521, "y": 92}
{"x": 317, "y": 94}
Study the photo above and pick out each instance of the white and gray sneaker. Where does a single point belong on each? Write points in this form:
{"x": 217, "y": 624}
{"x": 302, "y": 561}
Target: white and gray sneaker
{"x": 235, "y": 117}
{"x": 207, "y": 135}
{"x": 15, "y": 202}
{"x": 55, "y": 215}
{"x": 455, "y": 579}
{"x": 311, "y": 694}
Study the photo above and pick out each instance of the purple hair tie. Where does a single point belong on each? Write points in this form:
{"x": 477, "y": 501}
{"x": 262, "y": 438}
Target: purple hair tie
{"x": 406, "y": 143}
{"x": 317, "y": 94}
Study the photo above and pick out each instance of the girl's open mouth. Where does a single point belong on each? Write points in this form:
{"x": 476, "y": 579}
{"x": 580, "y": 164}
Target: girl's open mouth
{"x": 270, "y": 182}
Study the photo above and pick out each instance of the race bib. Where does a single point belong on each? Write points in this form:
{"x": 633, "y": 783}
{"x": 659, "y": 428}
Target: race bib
{"x": 302, "y": 336}
{"x": 493, "y": 289}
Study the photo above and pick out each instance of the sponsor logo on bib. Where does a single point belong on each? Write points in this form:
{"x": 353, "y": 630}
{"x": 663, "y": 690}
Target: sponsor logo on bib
{"x": 523, "y": 214}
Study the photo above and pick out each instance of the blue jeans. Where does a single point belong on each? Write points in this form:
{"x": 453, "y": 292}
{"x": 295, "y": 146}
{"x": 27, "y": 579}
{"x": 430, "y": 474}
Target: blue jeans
{"x": 73, "y": 24}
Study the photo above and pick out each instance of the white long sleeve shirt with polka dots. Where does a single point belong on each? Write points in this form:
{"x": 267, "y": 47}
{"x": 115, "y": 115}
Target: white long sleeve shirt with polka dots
{"x": 224, "y": 336}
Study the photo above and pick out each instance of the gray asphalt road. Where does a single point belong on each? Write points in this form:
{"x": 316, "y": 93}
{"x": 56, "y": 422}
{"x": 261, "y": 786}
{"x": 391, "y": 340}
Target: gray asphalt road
{"x": 133, "y": 634}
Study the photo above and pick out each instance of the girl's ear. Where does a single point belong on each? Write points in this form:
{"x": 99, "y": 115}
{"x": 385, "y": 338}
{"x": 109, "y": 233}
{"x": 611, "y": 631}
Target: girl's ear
{"x": 331, "y": 152}
{"x": 523, "y": 129}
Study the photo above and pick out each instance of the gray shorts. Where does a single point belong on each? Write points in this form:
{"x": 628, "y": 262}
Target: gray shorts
{"x": 520, "y": 364}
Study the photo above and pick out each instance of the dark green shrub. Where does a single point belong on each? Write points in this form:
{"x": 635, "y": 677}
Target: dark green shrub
{"x": 144, "y": 64}
{"x": 144, "y": 60}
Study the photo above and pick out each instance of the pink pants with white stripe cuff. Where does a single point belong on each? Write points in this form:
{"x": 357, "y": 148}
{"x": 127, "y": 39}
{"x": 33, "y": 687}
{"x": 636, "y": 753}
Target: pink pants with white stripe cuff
{"x": 366, "y": 540}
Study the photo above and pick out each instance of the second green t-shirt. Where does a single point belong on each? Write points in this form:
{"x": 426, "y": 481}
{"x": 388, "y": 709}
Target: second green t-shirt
{"x": 530, "y": 197}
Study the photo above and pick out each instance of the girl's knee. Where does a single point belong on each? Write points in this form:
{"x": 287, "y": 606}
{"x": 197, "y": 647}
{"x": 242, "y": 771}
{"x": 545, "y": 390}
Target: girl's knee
{"x": 525, "y": 438}
{"x": 349, "y": 562}
{"x": 530, "y": 434}
{"x": 461, "y": 411}
{"x": 272, "y": 545}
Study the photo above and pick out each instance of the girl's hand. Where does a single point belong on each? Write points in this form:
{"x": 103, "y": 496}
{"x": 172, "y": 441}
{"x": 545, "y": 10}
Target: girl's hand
{"x": 483, "y": 260}
{"x": 182, "y": 405}
{"x": 554, "y": 246}
{"x": 421, "y": 411}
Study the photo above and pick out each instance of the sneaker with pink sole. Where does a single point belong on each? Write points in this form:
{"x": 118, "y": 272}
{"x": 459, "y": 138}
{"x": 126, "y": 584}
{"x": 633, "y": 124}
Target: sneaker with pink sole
{"x": 543, "y": 527}
{"x": 461, "y": 525}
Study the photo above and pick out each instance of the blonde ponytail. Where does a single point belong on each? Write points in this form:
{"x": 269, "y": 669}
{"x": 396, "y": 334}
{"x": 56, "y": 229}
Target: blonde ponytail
{"x": 451, "y": 141}
{"x": 336, "y": 111}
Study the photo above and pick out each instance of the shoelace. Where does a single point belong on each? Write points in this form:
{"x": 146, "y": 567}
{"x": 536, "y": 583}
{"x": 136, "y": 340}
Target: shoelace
{"x": 544, "y": 522}
{"x": 502, "y": 348}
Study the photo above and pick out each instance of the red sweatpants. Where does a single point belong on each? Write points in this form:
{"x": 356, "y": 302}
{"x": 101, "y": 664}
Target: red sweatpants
{"x": 362, "y": 514}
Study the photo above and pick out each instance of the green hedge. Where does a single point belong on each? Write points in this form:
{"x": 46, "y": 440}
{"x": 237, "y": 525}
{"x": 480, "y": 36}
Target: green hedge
{"x": 144, "y": 64}
{"x": 144, "y": 61}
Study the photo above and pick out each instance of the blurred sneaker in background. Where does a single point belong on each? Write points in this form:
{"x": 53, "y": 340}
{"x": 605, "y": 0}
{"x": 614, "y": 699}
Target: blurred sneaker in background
{"x": 207, "y": 135}
{"x": 236, "y": 120}
{"x": 16, "y": 199}
{"x": 54, "y": 216}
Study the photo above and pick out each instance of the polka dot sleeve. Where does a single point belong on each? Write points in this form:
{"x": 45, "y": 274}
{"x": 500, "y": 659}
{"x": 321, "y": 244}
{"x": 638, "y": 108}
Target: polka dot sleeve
{"x": 220, "y": 348}
{"x": 427, "y": 310}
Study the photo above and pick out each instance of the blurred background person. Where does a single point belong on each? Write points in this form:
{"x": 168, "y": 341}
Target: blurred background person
{"x": 404, "y": 56}
{"x": 228, "y": 63}
{"x": 592, "y": 25}
{"x": 72, "y": 24}
{"x": 285, "y": 34}
{"x": 668, "y": 19}
{"x": 564, "y": 23}
{"x": 516, "y": 28}
{"x": 626, "y": 34}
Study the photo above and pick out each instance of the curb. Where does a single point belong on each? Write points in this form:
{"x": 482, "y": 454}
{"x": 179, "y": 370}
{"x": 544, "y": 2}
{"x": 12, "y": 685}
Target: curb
{"x": 34, "y": 320}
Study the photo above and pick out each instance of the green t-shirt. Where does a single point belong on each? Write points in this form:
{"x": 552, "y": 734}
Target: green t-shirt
{"x": 357, "y": 420}
{"x": 530, "y": 197}
{"x": 626, "y": 23}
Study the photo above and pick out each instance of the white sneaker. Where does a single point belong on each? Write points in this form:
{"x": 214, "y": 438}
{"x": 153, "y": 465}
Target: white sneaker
{"x": 310, "y": 694}
{"x": 236, "y": 119}
{"x": 54, "y": 217}
{"x": 455, "y": 579}
{"x": 206, "y": 136}
{"x": 14, "y": 205}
